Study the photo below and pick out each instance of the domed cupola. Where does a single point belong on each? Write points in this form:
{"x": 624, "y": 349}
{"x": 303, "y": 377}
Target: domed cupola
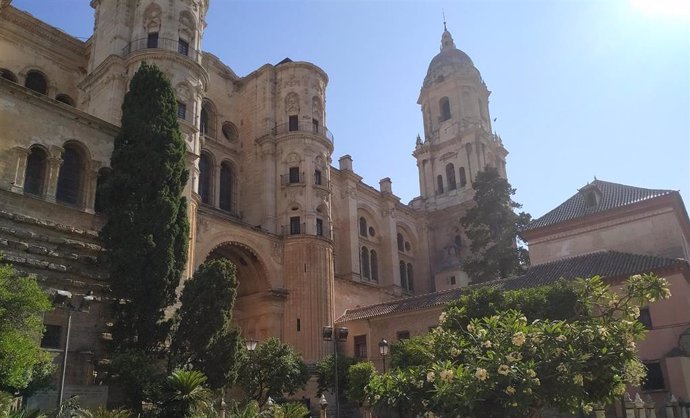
{"x": 449, "y": 61}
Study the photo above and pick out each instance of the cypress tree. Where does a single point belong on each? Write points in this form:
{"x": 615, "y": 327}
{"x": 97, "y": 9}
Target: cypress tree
{"x": 147, "y": 229}
{"x": 492, "y": 227}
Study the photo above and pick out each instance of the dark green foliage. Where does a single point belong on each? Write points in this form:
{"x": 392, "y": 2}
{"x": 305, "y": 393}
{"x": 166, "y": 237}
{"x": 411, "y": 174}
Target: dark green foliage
{"x": 141, "y": 376}
{"x": 271, "y": 370}
{"x": 186, "y": 395}
{"x": 203, "y": 338}
{"x": 147, "y": 230}
{"x": 325, "y": 370}
{"x": 558, "y": 301}
{"x": 23, "y": 364}
{"x": 359, "y": 375}
{"x": 412, "y": 352}
{"x": 492, "y": 228}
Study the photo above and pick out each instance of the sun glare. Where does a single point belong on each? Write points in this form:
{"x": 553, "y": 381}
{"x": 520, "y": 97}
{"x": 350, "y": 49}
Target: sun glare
{"x": 678, "y": 9}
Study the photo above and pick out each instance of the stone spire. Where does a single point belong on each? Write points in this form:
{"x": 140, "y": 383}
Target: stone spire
{"x": 447, "y": 39}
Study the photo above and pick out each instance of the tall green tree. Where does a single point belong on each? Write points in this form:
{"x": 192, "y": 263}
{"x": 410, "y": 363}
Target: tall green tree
{"x": 22, "y": 305}
{"x": 273, "y": 369}
{"x": 147, "y": 229}
{"x": 203, "y": 338}
{"x": 492, "y": 227}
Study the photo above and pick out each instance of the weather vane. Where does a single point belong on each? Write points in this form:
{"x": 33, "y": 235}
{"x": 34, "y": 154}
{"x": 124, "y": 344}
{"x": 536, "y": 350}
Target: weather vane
{"x": 444, "y": 18}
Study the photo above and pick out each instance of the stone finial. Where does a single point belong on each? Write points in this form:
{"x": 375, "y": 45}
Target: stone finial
{"x": 447, "y": 40}
{"x": 419, "y": 141}
{"x": 386, "y": 185}
{"x": 639, "y": 403}
{"x": 345, "y": 163}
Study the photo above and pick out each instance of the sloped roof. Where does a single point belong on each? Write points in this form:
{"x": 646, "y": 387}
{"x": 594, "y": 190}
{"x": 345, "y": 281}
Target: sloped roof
{"x": 604, "y": 263}
{"x": 611, "y": 196}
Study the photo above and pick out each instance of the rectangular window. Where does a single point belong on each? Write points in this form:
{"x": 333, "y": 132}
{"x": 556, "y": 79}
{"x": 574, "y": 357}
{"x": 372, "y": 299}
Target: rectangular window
{"x": 183, "y": 47}
{"x": 645, "y": 318}
{"x": 403, "y": 335}
{"x": 293, "y": 123}
{"x": 181, "y": 110}
{"x": 451, "y": 280}
{"x": 152, "y": 40}
{"x": 319, "y": 227}
{"x": 299, "y": 325}
{"x": 315, "y": 125}
{"x": 655, "y": 377}
{"x": 361, "y": 347}
{"x": 51, "y": 336}
{"x": 294, "y": 175}
{"x": 294, "y": 225}
{"x": 317, "y": 177}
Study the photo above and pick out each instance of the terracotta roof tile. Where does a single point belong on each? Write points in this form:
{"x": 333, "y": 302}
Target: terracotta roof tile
{"x": 604, "y": 263}
{"x": 611, "y": 196}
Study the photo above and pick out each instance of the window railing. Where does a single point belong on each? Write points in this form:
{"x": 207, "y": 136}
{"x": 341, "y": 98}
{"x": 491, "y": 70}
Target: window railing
{"x": 162, "y": 43}
{"x": 287, "y": 230}
{"x": 287, "y": 179}
{"x": 303, "y": 127}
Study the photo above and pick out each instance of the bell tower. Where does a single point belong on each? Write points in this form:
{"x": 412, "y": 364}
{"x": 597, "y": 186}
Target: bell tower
{"x": 458, "y": 142}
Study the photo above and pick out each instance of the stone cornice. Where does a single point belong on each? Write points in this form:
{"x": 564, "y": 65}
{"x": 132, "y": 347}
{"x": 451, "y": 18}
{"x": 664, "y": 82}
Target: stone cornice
{"x": 159, "y": 54}
{"x": 68, "y": 112}
{"x": 103, "y": 68}
{"x": 223, "y": 69}
{"x": 50, "y": 34}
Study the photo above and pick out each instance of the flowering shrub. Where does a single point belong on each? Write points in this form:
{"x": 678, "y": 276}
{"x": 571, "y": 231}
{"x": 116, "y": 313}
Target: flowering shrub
{"x": 506, "y": 365}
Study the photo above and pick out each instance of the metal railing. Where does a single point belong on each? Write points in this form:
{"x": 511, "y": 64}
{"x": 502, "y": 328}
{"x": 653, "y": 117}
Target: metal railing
{"x": 162, "y": 43}
{"x": 288, "y": 179}
{"x": 303, "y": 127}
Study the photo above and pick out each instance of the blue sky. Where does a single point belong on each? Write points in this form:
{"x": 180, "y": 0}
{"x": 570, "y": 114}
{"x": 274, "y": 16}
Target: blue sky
{"x": 579, "y": 88}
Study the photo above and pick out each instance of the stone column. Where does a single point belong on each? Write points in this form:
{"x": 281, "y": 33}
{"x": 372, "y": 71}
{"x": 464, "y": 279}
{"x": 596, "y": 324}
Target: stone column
{"x": 20, "y": 170}
{"x": 54, "y": 163}
{"x": 90, "y": 184}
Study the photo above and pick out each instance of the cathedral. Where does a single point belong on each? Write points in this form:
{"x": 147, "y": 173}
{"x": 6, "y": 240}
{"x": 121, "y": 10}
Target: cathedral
{"x": 313, "y": 244}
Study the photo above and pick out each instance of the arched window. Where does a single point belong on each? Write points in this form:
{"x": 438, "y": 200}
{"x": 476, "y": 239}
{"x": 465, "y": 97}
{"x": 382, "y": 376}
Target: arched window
{"x": 444, "y": 106}
{"x": 401, "y": 242}
{"x": 362, "y": 226}
{"x": 35, "y": 174}
{"x": 36, "y": 82}
{"x": 450, "y": 175}
{"x": 410, "y": 278}
{"x": 8, "y": 75}
{"x": 205, "y": 176}
{"x": 403, "y": 275}
{"x": 103, "y": 175}
{"x": 70, "y": 177}
{"x": 203, "y": 121}
{"x": 374, "y": 266}
{"x": 366, "y": 272}
{"x": 463, "y": 177}
{"x": 64, "y": 99}
{"x": 226, "y": 187}
{"x": 439, "y": 183}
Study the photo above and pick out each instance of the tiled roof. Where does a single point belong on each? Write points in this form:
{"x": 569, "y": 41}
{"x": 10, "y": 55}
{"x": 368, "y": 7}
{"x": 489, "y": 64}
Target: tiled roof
{"x": 604, "y": 263}
{"x": 611, "y": 196}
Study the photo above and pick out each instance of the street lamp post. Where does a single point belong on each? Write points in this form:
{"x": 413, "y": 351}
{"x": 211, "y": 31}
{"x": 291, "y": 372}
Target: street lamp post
{"x": 340, "y": 336}
{"x": 63, "y": 298}
{"x": 383, "y": 350}
{"x": 324, "y": 405}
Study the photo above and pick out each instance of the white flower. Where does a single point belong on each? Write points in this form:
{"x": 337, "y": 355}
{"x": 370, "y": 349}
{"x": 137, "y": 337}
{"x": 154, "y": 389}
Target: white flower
{"x": 518, "y": 339}
{"x": 536, "y": 381}
{"x": 429, "y": 415}
{"x": 503, "y": 369}
{"x": 377, "y": 397}
{"x": 562, "y": 368}
{"x": 578, "y": 380}
{"x": 603, "y": 332}
{"x": 587, "y": 409}
{"x": 430, "y": 377}
{"x": 442, "y": 318}
{"x": 481, "y": 374}
{"x": 470, "y": 328}
{"x": 531, "y": 373}
{"x": 513, "y": 357}
{"x": 454, "y": 352}
{"x": 561, "y": 338}
{"x": 510, "y": 390}
{"x": 481, "y": 332}
{"x": 446, "y": 375}
{"x": 487, "y": 344}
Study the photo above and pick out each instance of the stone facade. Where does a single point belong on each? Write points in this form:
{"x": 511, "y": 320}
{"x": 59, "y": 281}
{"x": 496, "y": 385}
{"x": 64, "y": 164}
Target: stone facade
{"x": 310, "y": 240}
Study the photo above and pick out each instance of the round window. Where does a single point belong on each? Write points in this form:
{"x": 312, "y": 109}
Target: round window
{"x": 372, "y": 231}
{"x": 230, "y": 131}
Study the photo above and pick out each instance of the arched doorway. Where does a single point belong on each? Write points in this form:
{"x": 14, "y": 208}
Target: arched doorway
{"x": 255, "y": 311}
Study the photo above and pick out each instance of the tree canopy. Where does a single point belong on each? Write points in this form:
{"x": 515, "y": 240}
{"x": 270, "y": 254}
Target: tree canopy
{"x": 203, "y": 337}
{"x": 492, "y": 227}
{"x": 147, "y": 229}
{"x": 22, "y": 305}
{"x": 519, "y": 359}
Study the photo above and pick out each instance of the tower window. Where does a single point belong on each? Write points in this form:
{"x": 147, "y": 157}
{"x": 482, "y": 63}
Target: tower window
{"x": 226, "y": 185}
{"x": 590, "y": 199}
{"x": 439, "y": 184}
{"x": 374, "y": 266}
{"x": 463, "y": 177}
{"x": 401, "y": 242}
{"x": 294, "y": 175}
{"x": 450, "y": 174}
{"x": 362, "y": 227}
{"x": 645, "y": 318}
{"x": 366, "y": 271}
{"x": 319, "y": 227}
{"x": 63, "y": 98}
{"x": 444, "y": 105}
{"x": 315, "y": 125}
{"x": 403, "y": 275}
{"x": 183, "y": 47}
{"x": 181, "y": 110}
{"x": 410, "y": 278}
{"x": 203, "y": 121}
{"x": 70, "y": 177}
{"x": 317, "y": 177}
{"x": 205, "y": 178}
{"x": 295, "y": 225}
{"x": 152, "y": 40}
{"x": 293, "y": 123}
{"x": 37, "y": 82}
